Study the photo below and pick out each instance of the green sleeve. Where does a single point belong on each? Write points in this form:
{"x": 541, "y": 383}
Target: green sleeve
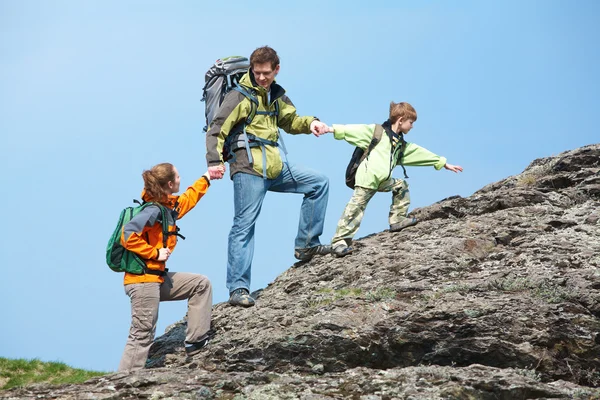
{"x": 356, "y": 134}
{"x": 234, "y": 109}
{"x": 417, "y": 156}
{"x": 289, "y": 120}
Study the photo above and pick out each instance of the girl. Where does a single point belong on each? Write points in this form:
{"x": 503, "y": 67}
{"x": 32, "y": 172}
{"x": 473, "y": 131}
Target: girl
{"x": 143, "y": 235}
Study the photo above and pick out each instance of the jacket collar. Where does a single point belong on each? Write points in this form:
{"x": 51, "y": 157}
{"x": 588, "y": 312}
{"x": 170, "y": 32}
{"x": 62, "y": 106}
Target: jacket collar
{"x": 387, "y": 126}
{"x": 170, "y": 203}
{"x": 248, "y": 80}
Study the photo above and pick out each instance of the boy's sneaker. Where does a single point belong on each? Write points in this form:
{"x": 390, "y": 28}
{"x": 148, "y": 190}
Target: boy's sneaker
{"x": 404, "y": 224}
{"x": 307, "y": 253}
{"x": 341, "y": 250}
{"x": 194, "y": 348}
{"x": 241, "y": 297}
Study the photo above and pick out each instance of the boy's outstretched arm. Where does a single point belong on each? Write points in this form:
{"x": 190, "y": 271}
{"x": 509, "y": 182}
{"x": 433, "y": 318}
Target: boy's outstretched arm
{"x": 453, "y": 168}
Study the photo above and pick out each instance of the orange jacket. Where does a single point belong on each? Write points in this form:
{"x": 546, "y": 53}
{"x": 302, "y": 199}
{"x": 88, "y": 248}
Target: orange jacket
{"x": 143, "y": 234}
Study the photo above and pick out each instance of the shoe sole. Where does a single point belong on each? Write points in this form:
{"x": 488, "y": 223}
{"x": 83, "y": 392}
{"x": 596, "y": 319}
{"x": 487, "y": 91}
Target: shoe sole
{"x": 413, "y": 222}
{"x": 193, "y": 353}
{"x": 342, "y": 254}
{"x": 239, "y": 304}
{"x": 310, "y": 257}
{"x": 209, "y": 337}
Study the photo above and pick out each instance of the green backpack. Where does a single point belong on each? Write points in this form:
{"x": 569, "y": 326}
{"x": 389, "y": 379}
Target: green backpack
{"x": 118, "y": 258}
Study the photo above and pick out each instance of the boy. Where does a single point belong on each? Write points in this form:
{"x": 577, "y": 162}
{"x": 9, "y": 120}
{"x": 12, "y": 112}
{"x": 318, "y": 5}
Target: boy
{"x": 374, "y": 174}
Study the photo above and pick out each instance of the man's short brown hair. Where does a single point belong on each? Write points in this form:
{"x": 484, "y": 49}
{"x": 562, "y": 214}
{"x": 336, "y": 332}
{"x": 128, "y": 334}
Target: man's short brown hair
{"x": 263, "y": 55}
{"x": 402, "y": 110}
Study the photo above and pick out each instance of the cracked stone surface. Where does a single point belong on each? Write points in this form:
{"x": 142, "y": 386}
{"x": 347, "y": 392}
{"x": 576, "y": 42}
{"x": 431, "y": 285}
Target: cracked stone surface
{"x": 493, "y": 296}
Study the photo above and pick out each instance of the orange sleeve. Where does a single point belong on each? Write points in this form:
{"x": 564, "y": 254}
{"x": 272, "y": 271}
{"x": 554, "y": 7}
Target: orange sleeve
{"x": 191, "y": 196}
{"x": 132, "y": 235}
{"x": 139, "y": 246}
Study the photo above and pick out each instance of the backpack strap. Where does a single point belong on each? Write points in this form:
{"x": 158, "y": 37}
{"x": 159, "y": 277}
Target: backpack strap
{"x": 402, "y": 145}
{"x": 250, "y": 94}
{"x": 262, "y": 143}
{"x": 234, "y": 141}
{"x": 401, "y": 154}
{"x": 248, "y": 140}
{"x": 165, "y": 224}
{"x": 374, "y": 141}
{"x": 164, "y": 221}
{"x": 271, "y": 113}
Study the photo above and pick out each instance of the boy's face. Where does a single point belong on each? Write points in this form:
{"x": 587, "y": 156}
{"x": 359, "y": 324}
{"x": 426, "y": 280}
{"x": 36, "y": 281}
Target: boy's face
{"x": 405, "y": 125}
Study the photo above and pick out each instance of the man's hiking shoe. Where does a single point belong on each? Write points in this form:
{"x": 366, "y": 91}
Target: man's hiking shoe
{"x": 404, "y": 224}
{"x": 341, "y": 250}
{"x": 241, "y": 297}
{"x": 194, "y": 348}
{"x": 307, "y": 253}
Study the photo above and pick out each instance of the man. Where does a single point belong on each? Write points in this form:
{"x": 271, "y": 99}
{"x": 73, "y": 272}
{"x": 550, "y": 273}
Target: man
{"x": 257, "y": 167}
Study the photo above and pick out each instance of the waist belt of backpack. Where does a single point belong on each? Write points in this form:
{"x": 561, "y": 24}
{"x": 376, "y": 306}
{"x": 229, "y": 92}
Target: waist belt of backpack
{"x": 248, "y": 140}
{"x": 262, "y": 142}
{"x": 155, "y": 271}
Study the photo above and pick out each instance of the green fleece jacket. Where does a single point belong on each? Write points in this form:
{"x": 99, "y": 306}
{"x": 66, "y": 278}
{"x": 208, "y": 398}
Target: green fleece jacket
{"x": 378, "y": 166}
{"x": 235, "y": 109}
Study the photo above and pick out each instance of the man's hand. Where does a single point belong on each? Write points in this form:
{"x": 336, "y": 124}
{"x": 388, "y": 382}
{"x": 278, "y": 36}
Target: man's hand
{"x": 318, "y": 128}
{"x": 453, "y": 168}
{"x": 216, "y": 172}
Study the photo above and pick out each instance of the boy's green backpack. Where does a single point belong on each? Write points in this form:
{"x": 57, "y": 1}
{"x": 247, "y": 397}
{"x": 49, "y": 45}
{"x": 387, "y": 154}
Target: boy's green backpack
{"x": 118, "y": 258}
{"x": 359, "y": 155}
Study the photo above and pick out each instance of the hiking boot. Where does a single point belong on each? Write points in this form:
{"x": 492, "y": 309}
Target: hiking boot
{"x": 194, "y": 348}
{"x": 241, "y": 297}
{"x": 307, "y": 253}
{"x": 341, "y": 250}
{"x": 404, "y": 224}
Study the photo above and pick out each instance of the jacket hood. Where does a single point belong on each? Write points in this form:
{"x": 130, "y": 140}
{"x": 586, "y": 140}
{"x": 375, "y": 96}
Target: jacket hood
{"x": 170, "y": 203}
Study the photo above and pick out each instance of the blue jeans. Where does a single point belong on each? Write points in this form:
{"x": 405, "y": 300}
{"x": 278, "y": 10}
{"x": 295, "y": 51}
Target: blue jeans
{"x": 248, "y": 194}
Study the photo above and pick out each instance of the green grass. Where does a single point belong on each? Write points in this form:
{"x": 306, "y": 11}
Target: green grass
{"x": 544, "y": 289}
{"x": 21, "y": 372}
{"x": 380, "y": 294}
{"x": 326, "y": 296}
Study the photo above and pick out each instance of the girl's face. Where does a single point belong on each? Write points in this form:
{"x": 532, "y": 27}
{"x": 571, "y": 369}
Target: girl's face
{"x": 174, "y": 185}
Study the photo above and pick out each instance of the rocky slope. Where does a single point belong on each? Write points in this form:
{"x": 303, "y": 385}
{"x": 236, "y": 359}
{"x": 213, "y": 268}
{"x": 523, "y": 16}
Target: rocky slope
{"x": 494, "y": 296}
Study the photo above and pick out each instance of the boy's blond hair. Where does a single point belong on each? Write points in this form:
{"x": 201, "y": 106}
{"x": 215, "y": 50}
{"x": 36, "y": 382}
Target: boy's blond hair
{"x": 402, "y": 110}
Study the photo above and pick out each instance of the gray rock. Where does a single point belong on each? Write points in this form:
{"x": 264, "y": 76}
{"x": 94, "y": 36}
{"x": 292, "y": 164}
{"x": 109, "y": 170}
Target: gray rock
{"x": 493, "y": 296}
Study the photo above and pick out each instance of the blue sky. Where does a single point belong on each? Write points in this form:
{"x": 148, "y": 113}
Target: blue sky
{"x": 92, "y": 93}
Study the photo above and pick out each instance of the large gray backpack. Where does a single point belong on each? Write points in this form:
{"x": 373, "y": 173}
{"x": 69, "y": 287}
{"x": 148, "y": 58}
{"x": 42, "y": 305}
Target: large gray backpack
{"x": 222, "y": 77}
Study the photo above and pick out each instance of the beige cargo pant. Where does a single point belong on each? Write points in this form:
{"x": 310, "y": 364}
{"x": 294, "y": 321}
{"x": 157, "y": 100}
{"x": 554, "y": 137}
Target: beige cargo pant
{"x": 145, "y": 298}
{"x": 353, "y": 214}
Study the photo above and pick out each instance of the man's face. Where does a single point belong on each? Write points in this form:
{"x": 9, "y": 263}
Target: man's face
{"x": 264, "y": 74}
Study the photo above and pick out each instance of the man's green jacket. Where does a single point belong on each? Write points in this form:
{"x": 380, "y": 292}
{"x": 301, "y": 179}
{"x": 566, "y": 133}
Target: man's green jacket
{"x": 233, "y": 112}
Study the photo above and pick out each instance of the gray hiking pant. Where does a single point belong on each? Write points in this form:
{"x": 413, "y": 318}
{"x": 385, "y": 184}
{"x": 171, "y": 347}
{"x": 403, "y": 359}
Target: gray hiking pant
{"x": 145, "y": 298}
{"x": 355, "y": 209}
